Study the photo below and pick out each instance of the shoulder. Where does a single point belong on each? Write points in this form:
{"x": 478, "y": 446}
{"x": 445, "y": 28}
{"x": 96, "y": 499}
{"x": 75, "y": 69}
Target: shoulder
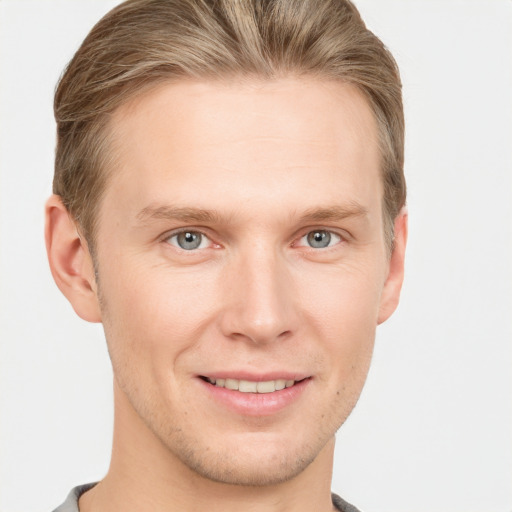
{"x": 71, "y": 503}
{"x": 342, "y": 505}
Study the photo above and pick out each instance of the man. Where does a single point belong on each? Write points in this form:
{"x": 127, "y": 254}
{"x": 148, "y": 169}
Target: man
{"x": 229, "y": 203}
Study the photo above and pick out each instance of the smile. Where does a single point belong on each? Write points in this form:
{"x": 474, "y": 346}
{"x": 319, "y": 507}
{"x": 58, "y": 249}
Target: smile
{"x": 247, "y": 386}
{"x": 252, "y": 396}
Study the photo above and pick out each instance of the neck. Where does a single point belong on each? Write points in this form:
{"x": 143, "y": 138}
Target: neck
{"x": 145, "y": 475}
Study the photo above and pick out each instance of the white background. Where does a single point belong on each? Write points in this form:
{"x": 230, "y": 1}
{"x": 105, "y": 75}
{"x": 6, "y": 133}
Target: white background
{"x": 433, "y": 429}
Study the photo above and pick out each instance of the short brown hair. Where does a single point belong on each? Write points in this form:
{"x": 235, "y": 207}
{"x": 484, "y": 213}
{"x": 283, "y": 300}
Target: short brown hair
{"x": 143, "y": 42}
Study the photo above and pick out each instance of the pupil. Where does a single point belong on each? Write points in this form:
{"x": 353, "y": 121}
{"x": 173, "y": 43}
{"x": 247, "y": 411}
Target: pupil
{"x": 189, "y": 240}
{"x": 319, "y": 239}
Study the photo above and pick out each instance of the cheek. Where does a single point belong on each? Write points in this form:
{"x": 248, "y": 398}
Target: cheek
{"x": 343, "y": 313}
{"x": 155, "y": 313}
{"x": 342, "y": 300}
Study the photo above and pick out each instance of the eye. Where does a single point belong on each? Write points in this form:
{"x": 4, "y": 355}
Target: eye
{"x": 320, "y": 239}
{"x": 189, "y": 240}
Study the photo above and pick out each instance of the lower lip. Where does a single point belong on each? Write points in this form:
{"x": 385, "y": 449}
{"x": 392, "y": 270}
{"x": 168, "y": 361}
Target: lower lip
{"x": 256, "y": 404}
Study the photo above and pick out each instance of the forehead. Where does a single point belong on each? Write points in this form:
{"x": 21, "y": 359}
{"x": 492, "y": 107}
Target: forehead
{"x": 245, "y": 142}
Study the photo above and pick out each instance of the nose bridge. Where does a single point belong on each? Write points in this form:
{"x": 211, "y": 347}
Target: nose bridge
{"x": 260, "y": 307}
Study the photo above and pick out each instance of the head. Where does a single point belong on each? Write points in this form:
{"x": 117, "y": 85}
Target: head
{"x": 228, "y": 203}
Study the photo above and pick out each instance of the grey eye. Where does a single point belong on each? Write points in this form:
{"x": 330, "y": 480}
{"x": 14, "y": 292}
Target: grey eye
{"x": 319, "y": 239}
{"x": 188, "y": 240}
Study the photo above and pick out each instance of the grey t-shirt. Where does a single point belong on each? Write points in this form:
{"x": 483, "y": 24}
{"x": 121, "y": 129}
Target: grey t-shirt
{"x": 71, "y": 503}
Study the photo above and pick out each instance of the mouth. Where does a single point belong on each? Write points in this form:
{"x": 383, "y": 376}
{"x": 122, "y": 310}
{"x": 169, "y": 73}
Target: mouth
{"x": 248, "y": 386}
{"x": 253, "y": 396}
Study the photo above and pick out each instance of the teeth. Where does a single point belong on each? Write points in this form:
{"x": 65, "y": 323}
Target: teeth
{"x": 231, "y": 384}
{"x": 280, "y": 384}
{"x": 247, "y": 386}
{"x": 266, "y": 387}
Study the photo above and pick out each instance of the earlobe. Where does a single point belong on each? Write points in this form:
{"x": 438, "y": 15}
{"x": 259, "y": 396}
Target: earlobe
{"x": 391, "y": 292}
{"x": 70, "y": 261}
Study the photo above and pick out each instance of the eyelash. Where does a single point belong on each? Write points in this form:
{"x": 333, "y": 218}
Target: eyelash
{"x": 325, "y": 233}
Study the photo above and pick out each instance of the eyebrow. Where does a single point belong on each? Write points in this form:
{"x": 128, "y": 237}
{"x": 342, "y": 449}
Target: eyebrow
{"x": 200, "y": 215}
{"x": 184, "y": 214}
{"x": 334, "y": 213}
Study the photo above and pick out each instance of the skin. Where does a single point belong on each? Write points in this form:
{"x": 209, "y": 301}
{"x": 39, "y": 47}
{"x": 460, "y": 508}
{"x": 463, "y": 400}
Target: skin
{"x": 270, "y": 163}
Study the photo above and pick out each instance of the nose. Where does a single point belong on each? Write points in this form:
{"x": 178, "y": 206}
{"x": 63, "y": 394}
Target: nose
{"x": 260, "y": 300}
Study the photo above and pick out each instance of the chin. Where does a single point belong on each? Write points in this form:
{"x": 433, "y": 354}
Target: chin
{"x": 245, "y": 468}
{"x": 248, "y": 459}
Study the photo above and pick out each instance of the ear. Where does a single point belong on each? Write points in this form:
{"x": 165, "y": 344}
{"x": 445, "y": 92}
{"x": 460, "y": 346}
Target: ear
{"x": 391, "y": 292}
{"x": 70, "y": 261}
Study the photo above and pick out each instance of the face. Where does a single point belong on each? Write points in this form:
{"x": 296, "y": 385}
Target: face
{"x": 242, "y": 263}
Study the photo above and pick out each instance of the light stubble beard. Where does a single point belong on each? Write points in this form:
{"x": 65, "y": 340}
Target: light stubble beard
{"x": 239, "y": 467}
